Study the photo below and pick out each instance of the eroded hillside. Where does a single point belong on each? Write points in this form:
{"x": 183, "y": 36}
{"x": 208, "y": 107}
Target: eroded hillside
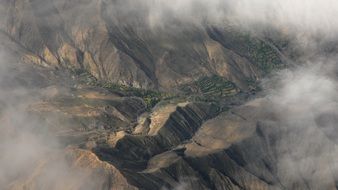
{"x": 94, "y": 96}
{"x": 96, "y": 36}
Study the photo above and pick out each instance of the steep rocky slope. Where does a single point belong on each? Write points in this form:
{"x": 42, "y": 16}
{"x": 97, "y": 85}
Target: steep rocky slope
{"x": 93, "y": 98}
{"x": 108, "y": 141}
{"x": 97, "y": 37}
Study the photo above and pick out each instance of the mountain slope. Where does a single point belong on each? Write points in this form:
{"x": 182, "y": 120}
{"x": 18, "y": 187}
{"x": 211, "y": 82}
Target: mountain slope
{"x": 94, "y": 96}
{"x": 95, "y": 36}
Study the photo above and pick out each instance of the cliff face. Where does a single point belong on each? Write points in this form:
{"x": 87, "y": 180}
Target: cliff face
{"x": 98, "y": 37}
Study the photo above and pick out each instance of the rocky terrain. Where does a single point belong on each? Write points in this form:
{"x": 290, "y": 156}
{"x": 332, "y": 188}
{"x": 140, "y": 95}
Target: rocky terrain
{"x": 127, "y": 51}
{"x": 112, "y": 103}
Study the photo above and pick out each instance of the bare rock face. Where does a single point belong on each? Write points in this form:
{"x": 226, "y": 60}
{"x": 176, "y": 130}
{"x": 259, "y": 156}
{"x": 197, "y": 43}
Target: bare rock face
{"x": 96, "y": 36}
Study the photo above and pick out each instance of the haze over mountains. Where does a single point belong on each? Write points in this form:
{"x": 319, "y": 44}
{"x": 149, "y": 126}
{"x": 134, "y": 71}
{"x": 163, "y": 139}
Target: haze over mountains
{"x": 181, "y": 94}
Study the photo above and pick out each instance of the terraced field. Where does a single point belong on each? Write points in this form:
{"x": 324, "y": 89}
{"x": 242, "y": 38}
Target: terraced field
{"x": 213, "y": 86}
{"x": 258, "y": 51}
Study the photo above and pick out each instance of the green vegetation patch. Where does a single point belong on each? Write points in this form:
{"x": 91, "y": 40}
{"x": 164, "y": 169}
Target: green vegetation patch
{"x": 150, "y": 97}
{"x": 259, "y": 51}
{"x": 211, "y": 86}
{"x": 262, "y": 54}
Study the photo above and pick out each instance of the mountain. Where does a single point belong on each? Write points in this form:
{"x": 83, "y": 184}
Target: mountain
{"x": 97, "y": 37}
{"x": 136, "y": 106}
